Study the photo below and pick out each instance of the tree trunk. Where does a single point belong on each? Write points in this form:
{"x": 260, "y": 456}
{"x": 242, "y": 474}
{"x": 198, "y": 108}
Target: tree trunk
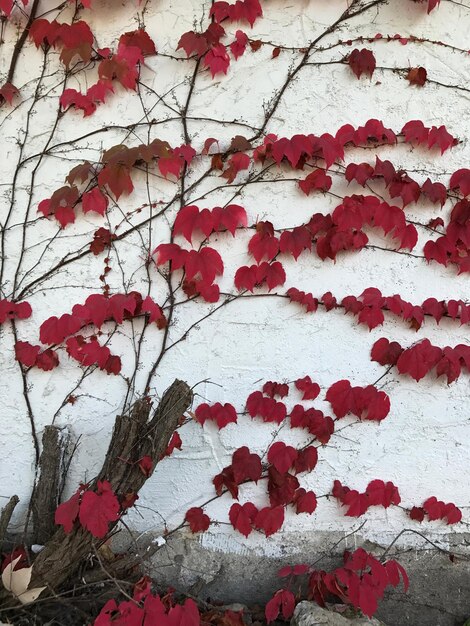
{"x": 134, "y": 436}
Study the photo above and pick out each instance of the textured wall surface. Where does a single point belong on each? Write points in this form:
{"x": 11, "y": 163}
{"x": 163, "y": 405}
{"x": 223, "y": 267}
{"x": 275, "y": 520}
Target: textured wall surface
{"x": 423, "y": 444}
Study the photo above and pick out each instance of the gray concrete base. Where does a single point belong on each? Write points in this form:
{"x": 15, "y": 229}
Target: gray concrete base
{"x": 439, "y": 593}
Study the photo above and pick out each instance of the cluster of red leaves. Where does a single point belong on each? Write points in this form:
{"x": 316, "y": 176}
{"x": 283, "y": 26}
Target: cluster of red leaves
{"x": 198, "y": 521}
{"x": 208, "y": 47}
{"x": 241, "y": 11}
{"x": 112, "y": 172}
{"x": 300, "y": 149}
{"x": 63, "y": 201}
{"x": 377, "y": 493}
{"x": 331, "y": 233}
{"x": 245, "y": 466}
{"x": 96, "y": 310}
{"x": 263, "y": 245}
{"x": 251, "y": 276}
{"x": 360, "y": 582}
{"x": 415, "y": 132}
{"x": 369, "y": 307}
{"x": 94, "y": 510}
{"x": 200, "y": 268}
{"x": 146, "y": 608}
{"x": 265, "y": 407}
{"x": 422, "y": 357}
{"x": 284, "y": 461}
{"x": 454, "y": 246}
{"x": 283, "y": 603}
{"x": 14, "y": 310}
{"x": 365, "y": 402}
{"x": 90, "y": 352}
{"x": 282, "y": 487}
{"x": 32, "y": 356}
{"x": 398, "y": 183}
{"x": 435, "y": 509}
{"x": 208, "y": 221}
{"x": 218, "y": 413}
{"x": 72, "y": 39}
{"x": 314, "y": 421}
{"x": 123, "y": 66}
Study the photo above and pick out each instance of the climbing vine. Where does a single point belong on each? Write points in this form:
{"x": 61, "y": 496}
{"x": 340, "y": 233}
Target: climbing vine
{"x": 145, "y": 223}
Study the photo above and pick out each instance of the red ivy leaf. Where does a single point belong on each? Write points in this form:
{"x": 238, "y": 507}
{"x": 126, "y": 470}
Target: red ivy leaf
{"x": 198, "y": 521}
{"x": 362, "y": 62}
{"x": 282, "y": 602}
{"x": 242, "y": 517}
{"x": 270, "y": 520}
{"x": 282, "y": 456}
{"x": 95, "y": 200}
{"x": 146, "y": 465}
{"x": 98, "y": 509}
{"x": 67, "y": 512}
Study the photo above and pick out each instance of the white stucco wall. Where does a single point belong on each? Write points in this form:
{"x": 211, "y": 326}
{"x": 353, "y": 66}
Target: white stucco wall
{"x": 423, "y": 445}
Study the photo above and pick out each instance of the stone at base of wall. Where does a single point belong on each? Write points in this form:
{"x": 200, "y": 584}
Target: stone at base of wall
{"x": 310, "y": 614}
{"x": 229, "y": 568}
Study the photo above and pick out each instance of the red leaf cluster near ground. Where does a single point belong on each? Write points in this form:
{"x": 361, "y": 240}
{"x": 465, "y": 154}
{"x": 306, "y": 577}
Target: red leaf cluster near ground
{"x": 365, "y": 402}
{"x": 377, "y": 493}
{"x": 94, "y": 510}
{"x": 360, "y": 582}
{"x": 32, "y": 356}
{"x": 146, "y": 608}
{"x": 436, "y": 509}
{"x": 283, "y": 603}
{"x": 423, "y": 357}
